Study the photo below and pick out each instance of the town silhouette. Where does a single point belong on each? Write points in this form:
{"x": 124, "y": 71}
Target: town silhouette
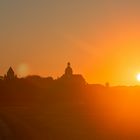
{"x": 67, "y": 108}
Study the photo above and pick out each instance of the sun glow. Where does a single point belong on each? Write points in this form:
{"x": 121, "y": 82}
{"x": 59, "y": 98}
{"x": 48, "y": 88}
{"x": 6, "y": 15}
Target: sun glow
{"x": 23, "y": 70}
{"x": 138, "y": 77}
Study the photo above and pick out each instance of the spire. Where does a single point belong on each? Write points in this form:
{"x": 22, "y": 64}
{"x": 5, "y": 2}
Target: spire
{"x": 10, "y": 74}
{"x": 10, "y": 70}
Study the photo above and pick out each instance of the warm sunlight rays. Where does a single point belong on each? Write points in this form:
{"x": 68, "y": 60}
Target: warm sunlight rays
{"x": 138, "y": 77}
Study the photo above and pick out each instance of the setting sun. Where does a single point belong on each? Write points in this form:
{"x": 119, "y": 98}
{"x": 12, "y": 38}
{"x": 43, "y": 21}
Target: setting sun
{"x": 138, "y": 77}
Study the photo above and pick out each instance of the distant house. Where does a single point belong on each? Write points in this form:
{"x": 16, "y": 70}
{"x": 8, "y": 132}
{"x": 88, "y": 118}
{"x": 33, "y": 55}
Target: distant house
{"x": 10, "y": 74}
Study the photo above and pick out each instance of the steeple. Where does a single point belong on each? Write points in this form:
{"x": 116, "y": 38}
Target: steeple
{"x": 10, "y": 74}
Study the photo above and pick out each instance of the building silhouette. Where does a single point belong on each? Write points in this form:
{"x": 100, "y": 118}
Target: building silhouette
{"x": 10, "y": 74}
{"x": 107, "y": 84}
{"x": 68, "y": 71}
{"x": 70, "y": 78}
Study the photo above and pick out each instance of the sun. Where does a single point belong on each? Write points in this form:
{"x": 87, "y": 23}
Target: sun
{"x": 138, "y": 77}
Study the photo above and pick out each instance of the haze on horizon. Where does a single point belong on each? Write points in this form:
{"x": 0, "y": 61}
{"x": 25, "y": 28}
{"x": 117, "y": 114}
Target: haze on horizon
{"x": 100, "y": 38}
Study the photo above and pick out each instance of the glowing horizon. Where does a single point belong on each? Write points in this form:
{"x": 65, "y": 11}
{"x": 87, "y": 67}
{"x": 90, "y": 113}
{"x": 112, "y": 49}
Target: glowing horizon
{"x": 101, "y": 39}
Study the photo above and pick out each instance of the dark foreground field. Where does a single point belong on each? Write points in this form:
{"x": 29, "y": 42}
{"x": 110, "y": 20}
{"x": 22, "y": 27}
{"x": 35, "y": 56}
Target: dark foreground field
{"x": 89, "y": 112}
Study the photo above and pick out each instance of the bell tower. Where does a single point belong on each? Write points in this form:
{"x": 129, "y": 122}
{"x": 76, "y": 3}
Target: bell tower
{"x": 68, "y": 70}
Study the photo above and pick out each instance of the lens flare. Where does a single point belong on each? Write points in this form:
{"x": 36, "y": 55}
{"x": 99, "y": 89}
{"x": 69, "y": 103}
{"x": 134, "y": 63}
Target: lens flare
{"x": 23, "y": 70}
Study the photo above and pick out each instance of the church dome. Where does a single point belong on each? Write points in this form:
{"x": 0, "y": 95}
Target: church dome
{"x": 68, "y": 70}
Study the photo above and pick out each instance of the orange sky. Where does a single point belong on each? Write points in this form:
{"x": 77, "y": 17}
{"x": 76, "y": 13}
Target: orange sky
{"x": 101, "y": 39}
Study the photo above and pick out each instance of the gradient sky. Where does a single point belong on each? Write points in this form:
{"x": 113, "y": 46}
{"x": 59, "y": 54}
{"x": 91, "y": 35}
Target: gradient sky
{"x": 101, "y": 38}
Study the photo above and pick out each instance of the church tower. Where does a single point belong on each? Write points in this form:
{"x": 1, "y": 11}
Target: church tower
{"x": 68, "y": 70}
{"x": 10, "y": 74}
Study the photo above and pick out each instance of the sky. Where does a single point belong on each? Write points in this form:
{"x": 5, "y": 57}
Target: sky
{"x": 101, "y": 38}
